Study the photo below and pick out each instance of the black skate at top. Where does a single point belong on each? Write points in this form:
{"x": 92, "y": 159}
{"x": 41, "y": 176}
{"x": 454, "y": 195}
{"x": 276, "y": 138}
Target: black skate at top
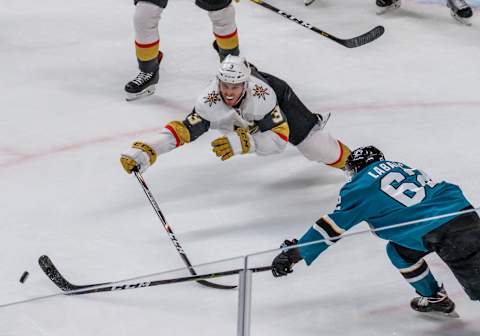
{"x": 142, "y": 82}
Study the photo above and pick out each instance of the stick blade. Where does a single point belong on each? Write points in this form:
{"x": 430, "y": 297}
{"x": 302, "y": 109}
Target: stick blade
{"x": 53, "y": 274}
{"x": 214, "y": 285}
{"x": 51, "y": 271}
{"x": 368, "y": 37}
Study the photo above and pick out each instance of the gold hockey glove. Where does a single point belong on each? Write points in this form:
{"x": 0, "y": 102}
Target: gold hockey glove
{"x": 140, "y": 156}
{"x": 236, "y": 143}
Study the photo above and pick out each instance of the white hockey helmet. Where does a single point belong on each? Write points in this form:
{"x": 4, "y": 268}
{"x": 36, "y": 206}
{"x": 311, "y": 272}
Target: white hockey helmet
{"x": 234, "y": 70}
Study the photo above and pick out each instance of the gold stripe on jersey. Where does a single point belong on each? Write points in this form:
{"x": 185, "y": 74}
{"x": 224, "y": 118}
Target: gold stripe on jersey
{"x": 147, "y": 149}
{"x": 344, "y": 153}
{"x": 181, "y": 132}
{"x": 227, "y": 42}
{"x": 147, "y": 52}
{"x": 282, "y": 130}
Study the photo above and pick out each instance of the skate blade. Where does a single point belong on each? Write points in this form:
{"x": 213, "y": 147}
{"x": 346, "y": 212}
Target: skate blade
{"x": 325, "y": 118}
{"x": 145, "y": 93}
{"x": 461, "y": 20}
{"x": 381, "y": 11}
{"x": 308, "y": 2}
{"x": 453, "y": 314}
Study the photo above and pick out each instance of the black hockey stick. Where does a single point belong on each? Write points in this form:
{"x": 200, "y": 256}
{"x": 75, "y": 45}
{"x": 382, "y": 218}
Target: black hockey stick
{"x": 59, "y": 280}
{"x": 174, "y": 239}
{"x": 349, "y": 43}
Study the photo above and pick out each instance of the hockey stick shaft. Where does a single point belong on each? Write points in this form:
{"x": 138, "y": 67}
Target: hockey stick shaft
{"x": 70, "y": 289}
{"x": 171, "y": 234}
{"x": 198, "y": 277}
{"x": 349, "y": 43}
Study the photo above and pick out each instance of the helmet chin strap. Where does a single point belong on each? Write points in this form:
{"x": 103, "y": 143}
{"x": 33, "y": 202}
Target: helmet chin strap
{"x": 244, "y": 93}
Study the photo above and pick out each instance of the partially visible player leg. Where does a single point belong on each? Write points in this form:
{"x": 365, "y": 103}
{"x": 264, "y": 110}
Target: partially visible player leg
{"x": 387, "y": 5}
{"x": 433, "y": 298}
{"x": 457, "y": 244}
{"x": 222, "y": 15}
{"x": 320, "y": 146}
{"x": 306, "y": 128}
{"x": 147, "y": 41}
{"x": 460, "y": 11}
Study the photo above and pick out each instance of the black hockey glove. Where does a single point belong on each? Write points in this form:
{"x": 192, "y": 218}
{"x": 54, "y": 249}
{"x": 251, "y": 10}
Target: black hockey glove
{"x": 283, "y": 263}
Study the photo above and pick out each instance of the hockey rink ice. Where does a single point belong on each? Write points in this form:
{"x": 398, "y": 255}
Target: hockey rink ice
{"x": 413, "y": 93}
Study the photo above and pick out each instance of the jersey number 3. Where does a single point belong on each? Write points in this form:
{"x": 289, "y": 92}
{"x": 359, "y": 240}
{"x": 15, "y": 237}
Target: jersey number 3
{"x": 407, "y": 193}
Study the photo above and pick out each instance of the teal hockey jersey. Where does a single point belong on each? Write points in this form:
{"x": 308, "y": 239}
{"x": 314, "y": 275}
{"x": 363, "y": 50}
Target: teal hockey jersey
{"x": 383, "y": 194}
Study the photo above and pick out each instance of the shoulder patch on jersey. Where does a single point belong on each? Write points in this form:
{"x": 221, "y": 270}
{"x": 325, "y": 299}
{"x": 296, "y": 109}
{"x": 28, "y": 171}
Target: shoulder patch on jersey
{"x": 212, "y": 98}
{"x": 260, "y": 92}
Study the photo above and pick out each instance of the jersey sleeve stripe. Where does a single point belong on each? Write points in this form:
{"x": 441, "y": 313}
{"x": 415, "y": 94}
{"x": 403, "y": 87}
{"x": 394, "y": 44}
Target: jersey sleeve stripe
{"x": 324, "y": 234}
{"x": 338, "y": 230}
{"x": 282, "y": 130}
{"x": 327, "y": 230}
{"x": 177, "y": 139}
{"x": 283, "y": 137}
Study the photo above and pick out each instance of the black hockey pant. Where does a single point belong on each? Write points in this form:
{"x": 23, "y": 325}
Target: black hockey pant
{"x": 457, "y": 243}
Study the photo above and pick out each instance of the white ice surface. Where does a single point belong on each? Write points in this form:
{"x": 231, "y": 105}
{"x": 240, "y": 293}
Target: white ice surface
{"x": 413, "y": 93}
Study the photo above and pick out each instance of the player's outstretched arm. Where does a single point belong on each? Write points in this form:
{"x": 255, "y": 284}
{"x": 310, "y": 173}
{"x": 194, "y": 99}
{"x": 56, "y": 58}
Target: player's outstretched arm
{"x": 143, "y": 154}
{"x": 140, "y": 156}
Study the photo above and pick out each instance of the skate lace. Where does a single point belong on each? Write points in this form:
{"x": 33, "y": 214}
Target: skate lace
{"x": 425, "y": 301}
{"x": 142, "y": 77}
{"x": 460, "y": 4}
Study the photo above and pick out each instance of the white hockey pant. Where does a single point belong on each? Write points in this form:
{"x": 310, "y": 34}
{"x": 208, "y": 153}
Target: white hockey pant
{"x": 320, "y": 146}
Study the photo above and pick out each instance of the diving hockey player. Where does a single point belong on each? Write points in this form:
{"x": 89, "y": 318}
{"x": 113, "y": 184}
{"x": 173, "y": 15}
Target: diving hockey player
{"x": 258, "y": 113}
{"x": 459, "y": 9}
{"x": 383, "y": 193}
{"x": 147, "y": 40}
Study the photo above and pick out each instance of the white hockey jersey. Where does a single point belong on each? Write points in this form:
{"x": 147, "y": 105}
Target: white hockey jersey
{"x": 258, "y": 112}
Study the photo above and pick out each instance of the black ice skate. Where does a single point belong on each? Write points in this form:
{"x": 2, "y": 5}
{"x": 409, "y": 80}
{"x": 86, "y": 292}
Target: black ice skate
{"x": 387, "y": 5}
{"x": 143, "y": 85}
{"x": 439, "y": 305}
{"x": 460, "y": 11}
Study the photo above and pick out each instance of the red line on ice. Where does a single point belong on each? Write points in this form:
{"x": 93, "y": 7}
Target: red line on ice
{"x": 22, "y": 158}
